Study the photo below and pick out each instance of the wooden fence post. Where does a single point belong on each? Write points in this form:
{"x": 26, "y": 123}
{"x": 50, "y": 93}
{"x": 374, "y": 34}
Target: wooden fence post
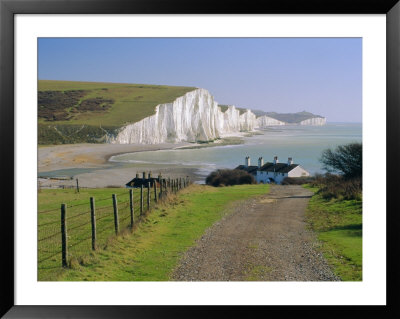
{"x": 162, "y": 189}
{"x": 77, "y": 185}
{"x": 93, "y": 220}
{"x": 131, "y": 206}
{"x": 148, "y": 196}
{"x": 141, "y": 199}
{"x": 155, "y": 192}
{"x": 64, "y": 243}
{"x": 116, "y": 220}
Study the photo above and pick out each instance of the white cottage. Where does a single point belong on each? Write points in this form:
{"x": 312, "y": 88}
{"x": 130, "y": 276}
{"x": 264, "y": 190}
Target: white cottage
{"x": 276, "y": 172}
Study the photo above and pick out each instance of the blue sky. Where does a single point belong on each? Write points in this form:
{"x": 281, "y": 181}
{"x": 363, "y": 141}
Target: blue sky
{"x": 319, "y": 75}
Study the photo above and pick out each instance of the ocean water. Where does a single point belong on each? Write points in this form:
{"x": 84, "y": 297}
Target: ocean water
{"x": 303, "y": 143}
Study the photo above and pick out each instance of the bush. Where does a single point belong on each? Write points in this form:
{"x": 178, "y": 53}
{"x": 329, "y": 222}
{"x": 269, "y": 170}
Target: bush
{"x": 337, "y": 186}
{"x": 229, "y": 177}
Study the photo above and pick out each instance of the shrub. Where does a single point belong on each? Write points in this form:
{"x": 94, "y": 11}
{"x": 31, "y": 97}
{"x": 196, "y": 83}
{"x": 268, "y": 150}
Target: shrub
{"x": 228, "y": 177}
{"x": 337, "y": 186}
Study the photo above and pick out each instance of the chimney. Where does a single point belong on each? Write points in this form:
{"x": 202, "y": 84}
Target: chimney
{"x": 137, "y": 175}
{"x": 144, "y": 175}
{"x": 290, "y": 161}
{"x": 276, "y": 161}
{"x": 260, "y": 162}
{"x": 149, "y": 175}
{"x": 247, "y": 161}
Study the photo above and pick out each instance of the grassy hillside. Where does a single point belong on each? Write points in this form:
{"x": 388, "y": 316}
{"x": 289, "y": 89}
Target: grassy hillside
{"x": 65, "y": 108}
{"x": 152, "y": 251}
{"x": 338, "y": 223}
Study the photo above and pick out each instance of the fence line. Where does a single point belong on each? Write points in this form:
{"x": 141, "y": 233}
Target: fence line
{"x": 78, "y": 233}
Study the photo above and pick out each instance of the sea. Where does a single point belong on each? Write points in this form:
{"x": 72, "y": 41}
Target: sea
{"x": 303, "y": 143}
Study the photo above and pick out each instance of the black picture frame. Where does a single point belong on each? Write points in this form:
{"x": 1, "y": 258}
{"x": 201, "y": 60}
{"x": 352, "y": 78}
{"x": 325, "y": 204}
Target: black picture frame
{"x": 9, "y": 8}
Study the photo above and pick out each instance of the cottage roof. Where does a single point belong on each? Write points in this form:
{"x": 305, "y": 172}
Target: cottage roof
{"x": 248, "y": 169}
{"x": 278, "y": 167}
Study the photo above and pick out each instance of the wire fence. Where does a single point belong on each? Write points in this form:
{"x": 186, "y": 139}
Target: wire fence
{"x": 74, "y": 231}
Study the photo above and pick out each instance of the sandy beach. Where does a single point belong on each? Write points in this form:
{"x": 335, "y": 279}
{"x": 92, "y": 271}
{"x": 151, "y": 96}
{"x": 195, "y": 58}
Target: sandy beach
{"x": 89, "y": 163}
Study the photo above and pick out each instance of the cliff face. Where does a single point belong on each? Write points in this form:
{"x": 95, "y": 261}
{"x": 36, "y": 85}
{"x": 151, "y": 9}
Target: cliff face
{"x": 264, "y": 121}
{"x": 192, "y": 117}
{"x": 314, "y": 121}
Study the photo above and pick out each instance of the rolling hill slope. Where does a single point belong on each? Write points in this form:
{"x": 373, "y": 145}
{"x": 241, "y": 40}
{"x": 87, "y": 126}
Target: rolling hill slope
{"x": 75, "y": 112}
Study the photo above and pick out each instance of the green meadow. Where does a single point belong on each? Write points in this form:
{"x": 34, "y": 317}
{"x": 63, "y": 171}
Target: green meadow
{"x": 338, "y": 223}
{"x": 132, "y": 102}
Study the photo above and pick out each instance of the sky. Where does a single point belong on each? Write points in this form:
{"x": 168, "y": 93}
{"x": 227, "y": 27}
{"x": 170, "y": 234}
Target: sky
{"x": 285, "y": 75}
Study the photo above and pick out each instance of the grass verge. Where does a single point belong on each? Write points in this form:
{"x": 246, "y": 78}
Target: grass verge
{"x": 338, "y": 223}
{"x": 152, "y": 251}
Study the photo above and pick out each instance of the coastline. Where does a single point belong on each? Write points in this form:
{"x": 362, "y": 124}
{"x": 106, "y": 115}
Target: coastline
{"x": 51, "y": 158}
{"x": 61, "y": 165}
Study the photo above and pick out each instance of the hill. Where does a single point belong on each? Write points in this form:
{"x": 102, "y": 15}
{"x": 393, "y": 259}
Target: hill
{"x": 94, "y": 112}
{"x": 92, "y": 103}
{"x": 72, "y": 112}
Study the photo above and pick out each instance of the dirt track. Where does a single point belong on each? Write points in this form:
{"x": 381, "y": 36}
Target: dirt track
{"x": 264, "y": 239}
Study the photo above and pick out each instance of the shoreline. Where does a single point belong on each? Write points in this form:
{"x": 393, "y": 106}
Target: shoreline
{"x": 90, "y": 163}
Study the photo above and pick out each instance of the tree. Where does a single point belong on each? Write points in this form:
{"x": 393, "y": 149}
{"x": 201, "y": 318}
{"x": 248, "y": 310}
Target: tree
{"x": 345, "y": 159}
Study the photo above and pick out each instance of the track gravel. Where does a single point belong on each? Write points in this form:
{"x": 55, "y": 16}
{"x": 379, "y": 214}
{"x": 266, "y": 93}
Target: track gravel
{"x": 263, "y": 239}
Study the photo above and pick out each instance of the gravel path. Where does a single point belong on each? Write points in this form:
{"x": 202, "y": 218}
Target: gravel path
{"x": 263, "y": 239}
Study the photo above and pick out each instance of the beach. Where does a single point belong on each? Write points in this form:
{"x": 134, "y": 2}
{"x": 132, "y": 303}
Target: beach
{"x": 61, "y": 165}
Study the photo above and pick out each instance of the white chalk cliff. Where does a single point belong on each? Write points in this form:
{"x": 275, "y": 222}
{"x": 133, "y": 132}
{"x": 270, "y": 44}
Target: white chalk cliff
{"x": 264, "y": 121}
{"x": 192, "y": 117}
{"x": 314, "y": 121}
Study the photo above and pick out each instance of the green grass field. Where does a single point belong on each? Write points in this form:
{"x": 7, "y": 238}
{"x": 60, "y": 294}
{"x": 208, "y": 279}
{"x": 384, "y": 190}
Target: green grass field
{"x": 132, "y": 102}
{"x": 338, "y": 224}
{"x": 78, "y": 223}
{"x": 152, "y": 251}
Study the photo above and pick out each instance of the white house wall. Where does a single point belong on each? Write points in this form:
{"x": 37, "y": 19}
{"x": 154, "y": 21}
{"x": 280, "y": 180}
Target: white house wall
{"x": 263, "y": 176}
{"x": 298, "y": 172}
